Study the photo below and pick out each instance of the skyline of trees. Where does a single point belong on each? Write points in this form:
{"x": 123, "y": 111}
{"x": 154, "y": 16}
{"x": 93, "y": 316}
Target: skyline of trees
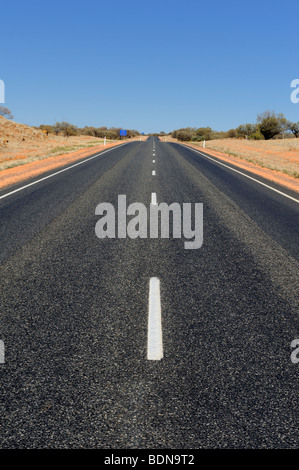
{"x": 268, "y": 125}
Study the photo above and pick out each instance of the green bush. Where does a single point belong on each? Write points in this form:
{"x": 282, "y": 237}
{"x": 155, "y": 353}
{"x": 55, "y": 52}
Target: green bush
{"x": 271, "y": 124}
{"x": 257, "y": 136}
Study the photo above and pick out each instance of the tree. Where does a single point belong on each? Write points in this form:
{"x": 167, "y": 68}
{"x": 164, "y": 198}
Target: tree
{"x": 204, "y": 133}
{"x": 70, "y": 130}
{"x": 246, "y": 130}
{"x": 89, "y": 130}
{"x": 271, "y": 124}
{"x": 185, "y": 134}
{"x": 293, "y": 127}
{"x": 232, "y": 133}
{"x": 65, "y": 128}
{"x": 5, "y": 112}
{"x": 46, "y": 128}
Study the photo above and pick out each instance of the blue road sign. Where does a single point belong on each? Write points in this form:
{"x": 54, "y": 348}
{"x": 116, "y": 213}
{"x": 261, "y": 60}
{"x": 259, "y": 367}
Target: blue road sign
{"x": 122, "y": 132}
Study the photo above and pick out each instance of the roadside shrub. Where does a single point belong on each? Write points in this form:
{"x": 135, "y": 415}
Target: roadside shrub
{"x": 5, "y": 112}
{"x": 271, "y": 124}
{"x": 257, "y": 136}
{"x": 232, "y": 133}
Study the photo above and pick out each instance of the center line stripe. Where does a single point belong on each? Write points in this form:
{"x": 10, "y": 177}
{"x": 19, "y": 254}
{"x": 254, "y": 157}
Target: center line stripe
{"x": 153, "y": 173}
{"x": 154, "y": 338}
{"x": 154, "y": 199}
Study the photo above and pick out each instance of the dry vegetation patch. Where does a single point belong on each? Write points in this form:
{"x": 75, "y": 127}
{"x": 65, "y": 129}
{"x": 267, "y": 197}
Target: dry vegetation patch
{"x": 276, "y": 160}
{"x": 26, "y": 152}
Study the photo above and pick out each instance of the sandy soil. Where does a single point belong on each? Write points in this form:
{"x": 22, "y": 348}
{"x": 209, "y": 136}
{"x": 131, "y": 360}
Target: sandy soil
{"x": 35, "y": 168}
{"x": 26, "y": 152}
{"x": 275, "y": 160}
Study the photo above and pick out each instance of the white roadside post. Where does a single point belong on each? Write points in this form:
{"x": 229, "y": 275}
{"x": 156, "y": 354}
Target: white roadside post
{"x": 104, "y": 141}
{"x": 204, "y": 144}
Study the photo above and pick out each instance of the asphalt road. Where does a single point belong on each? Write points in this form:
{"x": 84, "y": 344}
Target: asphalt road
{"x": 74, "y": 310}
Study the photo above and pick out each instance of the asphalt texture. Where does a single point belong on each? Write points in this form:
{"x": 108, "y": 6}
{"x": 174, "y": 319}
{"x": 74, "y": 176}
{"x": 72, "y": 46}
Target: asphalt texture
{"x": 74, "y": 311}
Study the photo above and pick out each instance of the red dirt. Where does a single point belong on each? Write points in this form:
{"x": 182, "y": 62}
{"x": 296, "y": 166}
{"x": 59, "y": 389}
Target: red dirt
{"x": 26, "y": 152}
{"x": 275, "y": 176}
{"x": 24, "y": 172}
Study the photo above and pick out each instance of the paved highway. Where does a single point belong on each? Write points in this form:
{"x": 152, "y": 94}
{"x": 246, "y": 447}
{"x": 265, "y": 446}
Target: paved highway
{"x": 74, "y": 309}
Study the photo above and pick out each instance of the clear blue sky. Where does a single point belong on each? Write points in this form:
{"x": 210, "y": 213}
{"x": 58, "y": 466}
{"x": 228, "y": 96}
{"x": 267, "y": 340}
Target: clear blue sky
{"x": 151, "y": 66}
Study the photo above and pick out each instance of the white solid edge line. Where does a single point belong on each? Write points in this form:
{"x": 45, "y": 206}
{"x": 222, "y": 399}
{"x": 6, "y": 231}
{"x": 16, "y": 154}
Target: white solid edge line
{"x": 60, "y": 171}
{"x": 244, "y": 174}
{"x": 154, "y": 199}
{"x": 154, "y": 338}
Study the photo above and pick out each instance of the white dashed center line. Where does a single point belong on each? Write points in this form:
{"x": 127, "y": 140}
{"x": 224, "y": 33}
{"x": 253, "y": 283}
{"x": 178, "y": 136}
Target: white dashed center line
{"x": 154, "y": 338}
{"x": 154, "y": 199}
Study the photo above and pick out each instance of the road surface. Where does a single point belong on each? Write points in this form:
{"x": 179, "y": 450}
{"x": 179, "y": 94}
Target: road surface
{"x": 74, "y": 309}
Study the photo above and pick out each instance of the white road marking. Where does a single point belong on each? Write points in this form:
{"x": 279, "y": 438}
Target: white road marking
{"x": 154, "y": 199}
{"x": 154, "y": 161}
{"x": 247, "y": 176}
{"x": 154, "y": 337}
{"x": 153, "y": 173}
{"x": 2, "y": 352}
{"x": 60, "y": 171}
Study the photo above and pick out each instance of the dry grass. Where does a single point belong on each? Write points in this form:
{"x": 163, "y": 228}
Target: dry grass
{"x": 276, "y": 155}
{"x": 30, "y": 153}
{"x": 26, "y": 144}
{"x": 276, "y": 160}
